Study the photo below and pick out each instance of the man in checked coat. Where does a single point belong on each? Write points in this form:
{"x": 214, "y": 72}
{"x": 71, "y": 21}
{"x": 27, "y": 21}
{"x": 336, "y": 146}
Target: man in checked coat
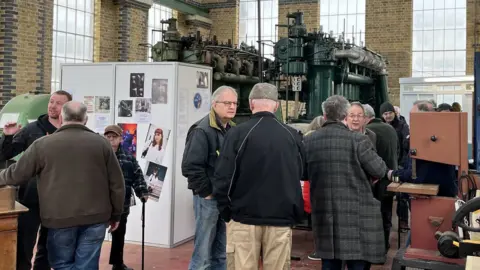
{"x": 346, "y": 217}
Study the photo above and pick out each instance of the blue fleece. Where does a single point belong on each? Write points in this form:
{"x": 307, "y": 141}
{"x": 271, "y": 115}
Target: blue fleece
{"x": 429, "y": 172}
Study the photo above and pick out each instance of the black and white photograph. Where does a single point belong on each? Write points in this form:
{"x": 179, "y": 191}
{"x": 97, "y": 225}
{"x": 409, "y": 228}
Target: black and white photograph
{"x": 102, "y": 104}
{"x": 125, "y": 108}
{"x": 202, "y": 79}
{"x": 159, "y": 91}
{"x": 137, "y": 83}
{"x": 155, "y": 176}
{"x": 143, "y": 105}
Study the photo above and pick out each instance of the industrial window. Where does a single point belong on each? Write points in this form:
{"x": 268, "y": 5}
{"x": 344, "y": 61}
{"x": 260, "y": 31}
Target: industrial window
{"x": 248, "y": 24}
{"x": 439, "y": 39}
{"x": 344, "y": 16}
{"x": 72, "y": 35}
{"x": 156, "y": 14}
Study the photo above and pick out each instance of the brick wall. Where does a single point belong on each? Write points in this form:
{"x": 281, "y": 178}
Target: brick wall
{"x": 9, "y": 44}
{"x": 224, "y": 14}
{"x": 34, "y": 45}
{"x": 310, "y": 9}
{"x": 389, "y": 32}
{"x": 471, "y": 20}
{"x": 106, "y": 27}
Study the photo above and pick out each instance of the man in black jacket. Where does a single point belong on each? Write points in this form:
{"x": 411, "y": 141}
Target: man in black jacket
{"x": 387, "y": 148}
{"x": 15, "y": 141}
{"x": 204, "y": 140}
{"x": 257, "y": 185}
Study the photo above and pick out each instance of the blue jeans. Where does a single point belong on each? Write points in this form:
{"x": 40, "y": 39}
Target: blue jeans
{"x": 409, "y": 239}
{"x": 351, "y": 265}
{"x": 76, "y": 247}
{"x": 209, "y": 249}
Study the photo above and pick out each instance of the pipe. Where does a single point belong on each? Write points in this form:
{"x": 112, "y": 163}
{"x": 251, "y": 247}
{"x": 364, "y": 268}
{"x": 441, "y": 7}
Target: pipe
{"x": 362, "y": 58}
{"x": 260, "y": 62}
{"x": 232, "y": 78}
{"x": 352, "y": 78}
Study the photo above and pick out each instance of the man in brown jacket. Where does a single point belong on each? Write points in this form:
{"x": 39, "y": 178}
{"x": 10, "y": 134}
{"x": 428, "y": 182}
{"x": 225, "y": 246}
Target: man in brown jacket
{"x": 80, "y": 187}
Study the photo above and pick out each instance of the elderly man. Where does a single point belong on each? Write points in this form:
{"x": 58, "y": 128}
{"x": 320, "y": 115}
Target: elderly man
{"x": 257, "y": 184}
{"x": 346, "y": 216}
{"x": 202, "y": 148}
{"x": 387, "y": 148}
{"x": 80, "y": 188}
{"x": 16, "y": 140}
{"x": 356, "y": 121}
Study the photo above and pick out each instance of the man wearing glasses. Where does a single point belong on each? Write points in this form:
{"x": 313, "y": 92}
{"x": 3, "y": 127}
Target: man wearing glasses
{"x": 202, "y": 148}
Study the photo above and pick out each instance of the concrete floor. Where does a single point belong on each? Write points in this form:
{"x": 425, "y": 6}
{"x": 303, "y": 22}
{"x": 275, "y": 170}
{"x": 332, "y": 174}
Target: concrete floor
{"x": 179, "y": 257}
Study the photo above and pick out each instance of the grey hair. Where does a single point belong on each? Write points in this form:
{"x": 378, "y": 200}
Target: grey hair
{"x": 369, "y": 111}
{"x": 356, "y": 103}
{"x": 222, "y": 89}
{"x": 423, "y": 107}
{"x": 420, "y": 101}
{"x": 336, "y": 108}
{"x": 73, "y": 113}
{"x": 323, "y": 107}
{"x": 316, "y": 123}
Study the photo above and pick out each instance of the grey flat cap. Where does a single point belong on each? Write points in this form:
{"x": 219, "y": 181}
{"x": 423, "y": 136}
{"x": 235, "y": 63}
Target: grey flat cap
{"x": 264, "y": 91}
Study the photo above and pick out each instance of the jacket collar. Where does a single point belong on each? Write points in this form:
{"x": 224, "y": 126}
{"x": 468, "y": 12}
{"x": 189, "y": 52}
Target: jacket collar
{"x": 334, "y": 123}
{"x": 376, "y": 120}
{"x": 73, "y": 126}
{"x": 263, "y": 114}
{"x": 214, "y": 122}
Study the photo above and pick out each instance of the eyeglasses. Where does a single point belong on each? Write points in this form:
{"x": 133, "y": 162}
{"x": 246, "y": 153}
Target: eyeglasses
{"x": 228, "y": 103}
{"x": 356, "y": 116}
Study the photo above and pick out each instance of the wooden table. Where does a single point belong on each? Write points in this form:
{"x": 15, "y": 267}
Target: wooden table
{"x": 8, "y": 236}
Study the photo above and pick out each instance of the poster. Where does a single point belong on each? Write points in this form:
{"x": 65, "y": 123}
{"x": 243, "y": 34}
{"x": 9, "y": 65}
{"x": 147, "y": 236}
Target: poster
{"x": 202, "y": 79}
{"x": 143, "y": 110}
{"x": 159, "y": 91}
{"x": 102, "y": 104}
{"x": 101, "y": 122}
{"x": 125, "y": 108}
{"x": 155, "y": 144}
{"x": 201, "y": 101}
{"x": 155, "y": 177}
{"x": 89, "y": 101}
{"x": 182, "y": 113}
{"x": 129, "y": 136}
{"x": 137, "y": 84}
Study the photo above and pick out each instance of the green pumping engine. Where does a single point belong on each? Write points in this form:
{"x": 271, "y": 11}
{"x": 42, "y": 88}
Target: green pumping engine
{"x": 331, "y": 67}
{"x": 308, "y": 67}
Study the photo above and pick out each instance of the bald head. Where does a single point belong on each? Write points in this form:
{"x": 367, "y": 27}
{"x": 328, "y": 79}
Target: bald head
{"x": 74, "y": 112}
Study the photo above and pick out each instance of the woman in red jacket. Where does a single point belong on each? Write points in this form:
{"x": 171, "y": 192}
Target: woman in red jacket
{"x": 316, "y": 123}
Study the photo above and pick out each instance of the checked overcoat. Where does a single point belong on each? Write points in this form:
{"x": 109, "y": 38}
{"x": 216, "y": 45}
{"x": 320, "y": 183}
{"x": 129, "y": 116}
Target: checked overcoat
{"x": 346, "y": 217}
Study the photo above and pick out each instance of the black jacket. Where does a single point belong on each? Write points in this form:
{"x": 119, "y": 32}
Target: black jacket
{"x": 403, "y": 133}
{"x": 13, "y": 145}
{"x": 257, "y": 177}
{"x": 204, "y": 139}
{"x": 387, "y": 147}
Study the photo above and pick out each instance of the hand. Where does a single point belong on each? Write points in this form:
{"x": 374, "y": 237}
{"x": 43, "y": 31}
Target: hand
{"x": 389, "y": 175}
{"x": 209, "y": 197}
{"x": 144, "y": 198}
{"x": 11, "y": 128}
{"x": 113, "y": 226}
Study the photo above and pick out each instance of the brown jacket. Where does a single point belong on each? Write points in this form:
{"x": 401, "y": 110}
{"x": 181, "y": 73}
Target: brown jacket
{"x": 80, "y": 180}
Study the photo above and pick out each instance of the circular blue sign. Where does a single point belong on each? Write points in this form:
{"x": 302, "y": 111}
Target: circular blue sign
{"x": 197, "y": 101}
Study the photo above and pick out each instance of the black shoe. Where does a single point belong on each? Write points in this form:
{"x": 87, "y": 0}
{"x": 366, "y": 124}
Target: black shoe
{"x": 314, "y": 257}
{"x": 121, "y": 267}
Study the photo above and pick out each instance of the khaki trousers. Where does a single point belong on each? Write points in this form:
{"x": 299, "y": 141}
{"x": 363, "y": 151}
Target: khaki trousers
{"x": 246, "y": 242}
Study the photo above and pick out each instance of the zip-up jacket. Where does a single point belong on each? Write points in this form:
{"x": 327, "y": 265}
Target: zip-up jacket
{"x": 258, "y": 173}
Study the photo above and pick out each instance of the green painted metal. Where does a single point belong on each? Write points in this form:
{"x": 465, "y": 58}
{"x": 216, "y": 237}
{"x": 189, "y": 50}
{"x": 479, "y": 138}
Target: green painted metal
{"x": 28, "y": 106}
{"x": 184, "y": 7}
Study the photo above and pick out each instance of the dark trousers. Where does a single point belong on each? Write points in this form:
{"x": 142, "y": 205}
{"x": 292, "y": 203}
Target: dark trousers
{"x": 351, "y": 265}
{"x": 403, "y": 201}
{"x": 28, "y": 224}
{"x": 118, "y": 241}
{"x": 386, "y": 209}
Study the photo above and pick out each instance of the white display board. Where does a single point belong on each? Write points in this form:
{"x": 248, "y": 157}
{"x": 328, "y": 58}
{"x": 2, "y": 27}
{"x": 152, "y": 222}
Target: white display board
{"x": 148, "y": 99}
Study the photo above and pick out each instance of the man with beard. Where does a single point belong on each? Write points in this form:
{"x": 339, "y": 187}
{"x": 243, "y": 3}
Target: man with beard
{"x": 14, "y": 141}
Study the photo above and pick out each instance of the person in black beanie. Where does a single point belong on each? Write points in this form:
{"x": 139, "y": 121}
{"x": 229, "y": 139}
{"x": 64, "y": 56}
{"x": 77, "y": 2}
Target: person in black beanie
{"x": 403, "y": 133}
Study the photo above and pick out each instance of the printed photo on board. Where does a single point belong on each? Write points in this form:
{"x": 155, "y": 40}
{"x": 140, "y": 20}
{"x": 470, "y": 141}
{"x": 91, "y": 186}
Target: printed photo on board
{"x": 155, "y": 144}
{"x": 125, "y": 108}
{"x": 137, "y": 82}
{"x": 155, "y": 177}
{"x": 89, "y": 101}
{"x": 143, "y": 105}
{"x": 129, "y": 136}
{"x": 202, "y": 79}
{"x": 102, "y": 104}
{"x": 159, "y": 91}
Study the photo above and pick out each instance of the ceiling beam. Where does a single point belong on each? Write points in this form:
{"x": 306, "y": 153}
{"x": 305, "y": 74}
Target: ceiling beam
{"x": 184, "y": 7}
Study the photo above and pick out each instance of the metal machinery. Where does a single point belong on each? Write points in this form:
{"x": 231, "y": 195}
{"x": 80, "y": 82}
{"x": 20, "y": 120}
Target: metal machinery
{"x": 235, "y": 67}
{"x": 331, "y": 67}
{"x": 437, "y": 232}
{"x": 23, "y": 109}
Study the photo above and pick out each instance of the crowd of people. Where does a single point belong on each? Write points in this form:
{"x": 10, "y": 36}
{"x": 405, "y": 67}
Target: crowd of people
{"x": 246, "y": 181}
